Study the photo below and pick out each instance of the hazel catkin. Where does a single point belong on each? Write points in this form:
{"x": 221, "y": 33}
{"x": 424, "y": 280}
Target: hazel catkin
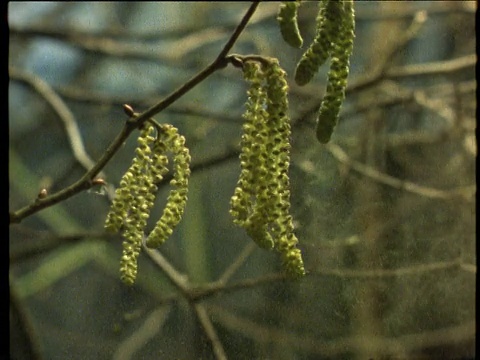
{"x": 327, "y": 22}
{"x": 287, "y": 20}
{"x": 177, "y": 198}
{"x": 261, "y": 200}
{"x": 337, "y": 76}
{"x": 136, "y": 194}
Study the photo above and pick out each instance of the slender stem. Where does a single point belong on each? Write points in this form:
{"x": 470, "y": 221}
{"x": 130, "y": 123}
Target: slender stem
{"x": 64, "y": 113}
{"x": 85, "y": 182}
{"x": 210, "y": 332}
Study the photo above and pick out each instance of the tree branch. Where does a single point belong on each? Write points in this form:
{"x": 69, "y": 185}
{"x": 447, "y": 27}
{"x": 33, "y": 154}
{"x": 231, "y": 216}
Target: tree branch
{"x": 465, "y": 193}
{"x": 61, "y": 109}
{"x": 209, "y": 330}
{"x": 85, "y": 182}
{"x": 314, "y": 345}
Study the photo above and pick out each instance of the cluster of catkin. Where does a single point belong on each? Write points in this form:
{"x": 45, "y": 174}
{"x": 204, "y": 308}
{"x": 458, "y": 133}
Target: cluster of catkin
{"x": 335, "y": 26}
{"x": 135, "y": 196}
{"x": 261, "y": 201}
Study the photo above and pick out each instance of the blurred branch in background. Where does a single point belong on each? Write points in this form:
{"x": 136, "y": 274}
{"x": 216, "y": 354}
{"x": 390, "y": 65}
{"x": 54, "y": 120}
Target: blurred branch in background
{"x": 61, "y": 109}
{"x": 465, "y": 193}
{"x": 384, "y": 346}
{"x": 130, "y": 45}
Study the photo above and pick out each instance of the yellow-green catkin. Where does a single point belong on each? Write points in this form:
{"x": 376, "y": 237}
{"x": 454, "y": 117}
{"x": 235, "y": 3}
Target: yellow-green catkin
{"x": 277, "y": 193}
{"x": 337, "y": 76}
{"x": 131, "y": 206}
{"x": 135, "y": 196}
{"x": 288, "y": 23}
{"x": 252, "y": 159}
{"x": 328, "y": 19}
{"x": 171, "y": 140}
{"x": 261, "y": 201}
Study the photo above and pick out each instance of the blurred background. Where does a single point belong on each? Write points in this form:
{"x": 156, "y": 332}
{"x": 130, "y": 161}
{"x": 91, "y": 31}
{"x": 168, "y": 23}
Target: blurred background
{"x": 384, "y": 213}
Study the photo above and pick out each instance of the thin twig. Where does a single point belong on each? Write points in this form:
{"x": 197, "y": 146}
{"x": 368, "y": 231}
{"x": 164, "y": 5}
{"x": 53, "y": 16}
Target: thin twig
{"x": 412, "y": 270}
{"x": 127, "y": 44}
{"x": 401, "y": 41}
{"x": 22, "y": 250}
{"x": 314, "y": 345}
{"x": 216, "y": 288}
{"x": 471, "y": 268}
{"x": 150, "y": 327}
{"x": 196, "y": 294}
{"x": 177, "y": 279}
{"x": 210, "y": 332}
{"x": 61, "y": 109}
{"x": 446, "y": 67}
{"x": 239, "y": 261}
{"x": 434, "y": 8}
{"x": 84, "y": 183}
{"x": 465, "y": 193}
{"x": 219, "y": 63}
{"x": 438, "y": 68}
{"x": 92, "y": 97}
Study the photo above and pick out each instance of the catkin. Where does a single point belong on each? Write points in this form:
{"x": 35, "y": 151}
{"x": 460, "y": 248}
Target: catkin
{"x": 327, "y": 21}
{"x": 177, "y": 198}
{"x": 261, "y": 200}
{"x": 337, "y": 76}
{"x": 135, "y": 196}
{"x": 287, "y": 20}
{"x": 132, "y": 204}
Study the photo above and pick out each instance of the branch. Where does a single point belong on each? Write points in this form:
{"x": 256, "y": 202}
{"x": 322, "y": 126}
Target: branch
{"x": 465, "y": 193}
{"x": 398, "y": 272}
{"x": 219, "y": 287}
{"x": 382, "y": 345}
{"x": 99, "y": 99}
{"x": 85, "y": 182}
{"x": 189, "y": 293}
{"x": 219, "y": 63}
{"x": 439, "y": 68}
{"x": 434, "y": 8}
{"x": 23, "y": 250}
{"x": 471, "y": 268}
{"x": 61, "y": 109}
{"x": 127, "y": 44}
{"x": 210, "y": 331}
{"x": 447, "y": 67}
{"x": 150, "y": 327}
{"x": 404, "y": 37}
{"x": 239, "y": 261}
{"x": 440, "y": 104}
{"x": 178, "y": 280}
